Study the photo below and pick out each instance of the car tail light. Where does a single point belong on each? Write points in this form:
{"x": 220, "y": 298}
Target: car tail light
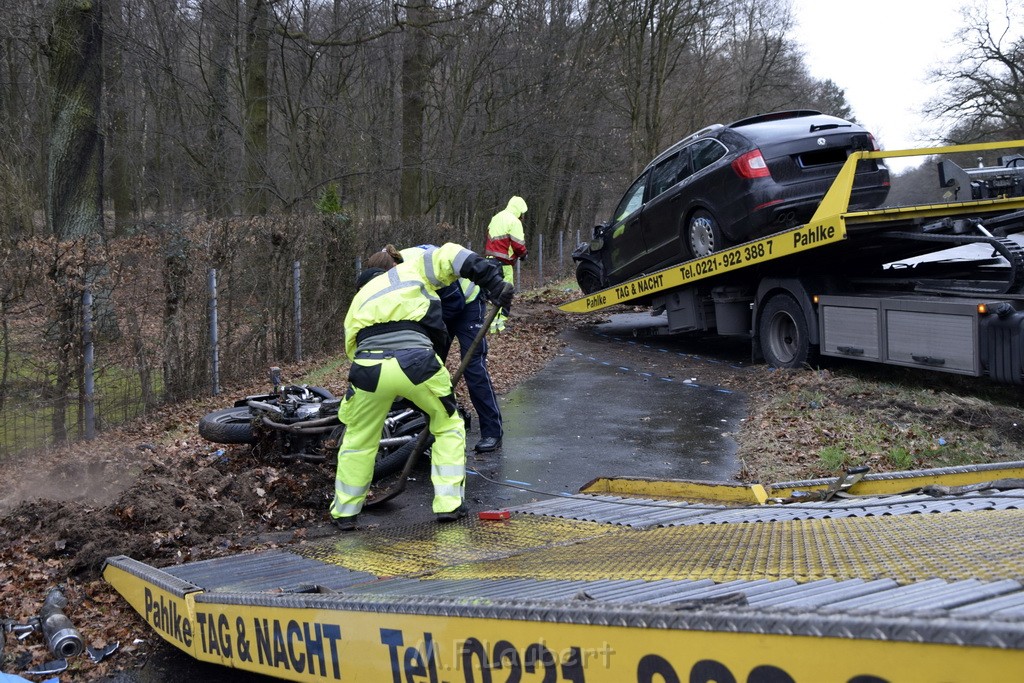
{"x": 751, "y": 165}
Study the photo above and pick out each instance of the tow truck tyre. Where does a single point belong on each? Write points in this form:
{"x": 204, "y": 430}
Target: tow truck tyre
{"x": 228, "y": 425}
{"x": 703, "y": 236}
{"x": 588, "y": 277}
{"x": 782, "y": 331}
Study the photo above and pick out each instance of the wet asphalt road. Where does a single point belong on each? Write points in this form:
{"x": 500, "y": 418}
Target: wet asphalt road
{"x": 600, "y": 408}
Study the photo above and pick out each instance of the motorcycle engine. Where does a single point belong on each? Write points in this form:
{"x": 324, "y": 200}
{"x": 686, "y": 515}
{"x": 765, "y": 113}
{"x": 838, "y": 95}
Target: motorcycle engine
{"x": 305, "y": 411}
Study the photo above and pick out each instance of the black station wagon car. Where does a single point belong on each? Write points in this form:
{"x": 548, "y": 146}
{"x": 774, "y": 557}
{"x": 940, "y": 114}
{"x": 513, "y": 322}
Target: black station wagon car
{"x": 725, "y": 185}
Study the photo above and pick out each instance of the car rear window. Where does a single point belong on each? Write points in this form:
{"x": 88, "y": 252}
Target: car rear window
{"x": 796, "y": 129}
{"x": 706, "y": 152}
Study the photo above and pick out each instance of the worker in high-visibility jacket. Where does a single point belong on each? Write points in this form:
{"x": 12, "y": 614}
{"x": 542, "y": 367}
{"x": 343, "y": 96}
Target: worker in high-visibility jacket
{"x": 393, "y": 333}
{"x": 463, "y": 309}
{"x": 506, "y": 243}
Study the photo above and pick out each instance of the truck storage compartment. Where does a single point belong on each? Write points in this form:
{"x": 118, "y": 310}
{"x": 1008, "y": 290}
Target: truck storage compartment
{"x": 850, "y": 327}
{"x": 924, "y": 332}
{"x": 687, "y": 309}
{"x": 932, "y": 334}
{"x": 732, "y": 310}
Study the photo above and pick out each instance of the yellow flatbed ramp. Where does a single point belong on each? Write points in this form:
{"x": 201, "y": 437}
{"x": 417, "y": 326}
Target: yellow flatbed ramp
{"x": 901, "y": 577}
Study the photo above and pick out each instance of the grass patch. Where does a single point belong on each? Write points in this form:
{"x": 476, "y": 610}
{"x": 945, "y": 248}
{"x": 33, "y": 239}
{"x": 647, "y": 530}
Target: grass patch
{"x": 808, "y": 424}
{"x": 26, "y": 421}
{"x": 833, "y": 458}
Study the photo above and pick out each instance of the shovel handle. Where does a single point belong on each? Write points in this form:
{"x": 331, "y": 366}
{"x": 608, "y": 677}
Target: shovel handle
{"x": 421, "y": 440}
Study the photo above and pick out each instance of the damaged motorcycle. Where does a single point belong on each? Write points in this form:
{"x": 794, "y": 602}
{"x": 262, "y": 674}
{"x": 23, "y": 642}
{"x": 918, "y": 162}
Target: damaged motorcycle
{"x": 300, "y": 422}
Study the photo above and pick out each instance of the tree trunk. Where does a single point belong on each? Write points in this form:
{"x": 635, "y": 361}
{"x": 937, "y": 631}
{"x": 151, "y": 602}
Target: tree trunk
{"x": 217, "y": 202}
{"x": 75, "y": 172}
{"x": 414, "y": 82}
{"x": 257, "y": 49}
{"x": 120, "y": 184}
{"x": 175, "y": 276}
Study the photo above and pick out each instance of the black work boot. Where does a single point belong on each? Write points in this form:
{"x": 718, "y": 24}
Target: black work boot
{"x": 453, "y": 516}
{"x": 345, "y": 523}
{"x": 487, "y": 444}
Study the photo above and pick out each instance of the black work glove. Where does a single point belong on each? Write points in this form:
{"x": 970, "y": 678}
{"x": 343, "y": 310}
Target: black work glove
{"x": 501, "y": 294}
{"x": 485, "y": 272}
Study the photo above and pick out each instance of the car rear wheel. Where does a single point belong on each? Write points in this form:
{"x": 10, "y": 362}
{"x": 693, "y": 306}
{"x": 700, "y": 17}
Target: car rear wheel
{"x": 588, "y": 277}
{"x": 783, "y": 333}
{"x": 703, "y": 235}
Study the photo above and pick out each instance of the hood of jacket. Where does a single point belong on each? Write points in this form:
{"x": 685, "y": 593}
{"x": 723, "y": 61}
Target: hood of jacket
{"x": 517, "y": 205}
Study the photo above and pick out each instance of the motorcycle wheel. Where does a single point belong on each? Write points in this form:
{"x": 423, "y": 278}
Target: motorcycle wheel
{"x": 387, "y": 462}
{"x": 390, "y": 462}
{"x": 228, "y": 425}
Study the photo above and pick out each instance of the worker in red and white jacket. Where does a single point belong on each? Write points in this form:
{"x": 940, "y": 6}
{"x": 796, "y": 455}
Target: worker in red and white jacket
{"x": 506, "y": 243}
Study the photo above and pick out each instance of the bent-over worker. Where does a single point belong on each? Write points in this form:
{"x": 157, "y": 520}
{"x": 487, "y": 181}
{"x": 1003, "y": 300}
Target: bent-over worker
{"x": 393, "y": 335}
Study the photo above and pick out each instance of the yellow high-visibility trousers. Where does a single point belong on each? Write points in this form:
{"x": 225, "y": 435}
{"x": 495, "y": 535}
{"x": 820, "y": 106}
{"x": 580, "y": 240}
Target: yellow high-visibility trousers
{"x": 376, "y": 378}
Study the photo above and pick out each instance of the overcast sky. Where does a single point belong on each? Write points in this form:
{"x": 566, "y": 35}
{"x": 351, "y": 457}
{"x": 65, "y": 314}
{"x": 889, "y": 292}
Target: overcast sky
{"x": 879, "y": 52}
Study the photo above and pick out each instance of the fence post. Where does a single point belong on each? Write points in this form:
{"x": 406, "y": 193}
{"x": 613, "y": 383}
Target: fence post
{"x": 519, "y": 275}
{"x": 88, "y": 365}
{"x": 561, "y": 251}
{"x": 297, "y": 279}
{"x": 214, "y": 341}
{"x": 540, "y": 260}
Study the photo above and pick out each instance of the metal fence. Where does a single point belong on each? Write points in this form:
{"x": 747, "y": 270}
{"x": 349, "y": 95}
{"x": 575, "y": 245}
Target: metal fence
{"x": 186, "y": 310}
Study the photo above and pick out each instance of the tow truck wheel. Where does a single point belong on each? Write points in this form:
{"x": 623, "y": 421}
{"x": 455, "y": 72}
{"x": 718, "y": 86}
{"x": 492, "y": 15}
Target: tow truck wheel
{"x": 703, "y": 235}
{"x": 783, "y": 334}
{"x": 588, "y": 277}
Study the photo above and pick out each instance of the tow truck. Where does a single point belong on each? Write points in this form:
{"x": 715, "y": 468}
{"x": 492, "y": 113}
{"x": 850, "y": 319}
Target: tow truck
{"x": 866, "y": 578}
{"x": 866, "y": 285}
{"x": 906, "y": 576}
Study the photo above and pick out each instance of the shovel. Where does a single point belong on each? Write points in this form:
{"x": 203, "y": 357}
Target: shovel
{"x": 421, "y": 440}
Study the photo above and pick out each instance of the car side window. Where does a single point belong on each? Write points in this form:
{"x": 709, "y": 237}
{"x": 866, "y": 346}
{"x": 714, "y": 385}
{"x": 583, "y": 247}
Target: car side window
{"x": 706, "y": 152}
{"x": 632, "y": 200}
{"x": 668, "y": 173}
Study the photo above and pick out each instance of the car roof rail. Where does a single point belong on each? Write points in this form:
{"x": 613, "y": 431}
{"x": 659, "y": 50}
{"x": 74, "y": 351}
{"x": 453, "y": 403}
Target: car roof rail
{"x": 700, "y": 133}
{"x": 676, "y": 146}
{"x": 775, "y": 116}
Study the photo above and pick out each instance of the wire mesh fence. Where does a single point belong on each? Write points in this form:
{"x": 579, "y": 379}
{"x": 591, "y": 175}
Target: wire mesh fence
{"x": 135, "y": 315}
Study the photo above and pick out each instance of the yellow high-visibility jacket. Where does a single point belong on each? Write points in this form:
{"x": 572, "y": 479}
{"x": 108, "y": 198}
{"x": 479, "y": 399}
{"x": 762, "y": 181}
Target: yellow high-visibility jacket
{"x": 400, "y": 307}
{"x": 506, "y": 241}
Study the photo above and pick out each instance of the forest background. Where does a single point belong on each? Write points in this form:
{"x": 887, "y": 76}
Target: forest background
{"x": 146, "y": 145}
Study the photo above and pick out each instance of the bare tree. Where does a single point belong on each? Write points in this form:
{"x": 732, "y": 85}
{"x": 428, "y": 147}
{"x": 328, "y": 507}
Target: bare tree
{"x": 119, "y": 182}
{"x": 983, "y": 95}
{"x": 257, "y": 46}
{"x": 415, "y": 68}
{"x": 650, "y": 39}
{"x": 75, "y": 177}
{"x": 220, "y": 16}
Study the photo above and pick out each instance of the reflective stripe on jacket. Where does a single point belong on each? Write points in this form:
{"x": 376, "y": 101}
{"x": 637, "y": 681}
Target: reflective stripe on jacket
{"x": 406, "y": 292}
{"x": 506, "y": 241}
